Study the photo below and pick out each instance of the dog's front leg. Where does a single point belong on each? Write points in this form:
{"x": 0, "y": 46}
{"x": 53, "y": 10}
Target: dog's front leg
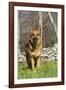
{"x": 38, "y": 63}
{"x": 32, "y": 63}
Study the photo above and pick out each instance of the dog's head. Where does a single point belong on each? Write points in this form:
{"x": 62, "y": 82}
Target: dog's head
{"x": 35, "y": 36}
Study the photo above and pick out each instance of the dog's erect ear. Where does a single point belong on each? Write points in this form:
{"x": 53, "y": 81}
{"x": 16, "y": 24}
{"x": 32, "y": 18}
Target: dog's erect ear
{"x": 35, "y": 28}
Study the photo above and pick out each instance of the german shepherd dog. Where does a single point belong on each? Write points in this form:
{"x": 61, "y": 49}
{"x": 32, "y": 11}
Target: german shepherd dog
{"x": 33, "y": 48}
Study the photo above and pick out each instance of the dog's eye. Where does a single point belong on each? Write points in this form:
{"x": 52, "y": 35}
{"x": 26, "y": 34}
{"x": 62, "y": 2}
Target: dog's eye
{"x": 38, "y": 34}
{"x": 32, "y": 34}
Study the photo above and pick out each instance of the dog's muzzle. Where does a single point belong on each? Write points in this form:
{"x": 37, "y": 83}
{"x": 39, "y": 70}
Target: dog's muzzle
{"x": 35, "y": 40}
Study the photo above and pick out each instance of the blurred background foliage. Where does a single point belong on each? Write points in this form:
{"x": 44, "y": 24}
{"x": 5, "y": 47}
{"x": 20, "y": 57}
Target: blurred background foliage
{"x": 27, "y": 19}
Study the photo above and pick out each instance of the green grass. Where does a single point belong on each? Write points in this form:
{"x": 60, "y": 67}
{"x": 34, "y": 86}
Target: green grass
{"x": 47, "y": 69}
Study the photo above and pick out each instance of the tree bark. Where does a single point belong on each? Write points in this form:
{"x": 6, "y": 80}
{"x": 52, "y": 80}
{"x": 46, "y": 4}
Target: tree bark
{"x": 52, "y": 21}
{"x": 40, "y": 23}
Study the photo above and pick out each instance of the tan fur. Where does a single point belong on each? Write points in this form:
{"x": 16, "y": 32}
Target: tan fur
{"x": 33, "y": 49}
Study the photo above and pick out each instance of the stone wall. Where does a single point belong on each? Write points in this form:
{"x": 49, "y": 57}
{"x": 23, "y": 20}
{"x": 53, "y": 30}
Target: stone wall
{"x": 48, "y": 54}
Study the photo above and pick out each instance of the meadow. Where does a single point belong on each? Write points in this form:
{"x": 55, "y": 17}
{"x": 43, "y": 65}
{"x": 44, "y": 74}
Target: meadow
{"x": 46, "y": 70}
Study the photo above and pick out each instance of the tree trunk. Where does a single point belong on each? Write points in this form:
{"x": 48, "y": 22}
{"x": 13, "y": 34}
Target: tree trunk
{"x": 52, "y": 21}
{"x": 40, "y": 23}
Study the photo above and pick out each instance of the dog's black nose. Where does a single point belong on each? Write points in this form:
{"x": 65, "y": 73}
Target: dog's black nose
{"x": 35, "y": 39}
